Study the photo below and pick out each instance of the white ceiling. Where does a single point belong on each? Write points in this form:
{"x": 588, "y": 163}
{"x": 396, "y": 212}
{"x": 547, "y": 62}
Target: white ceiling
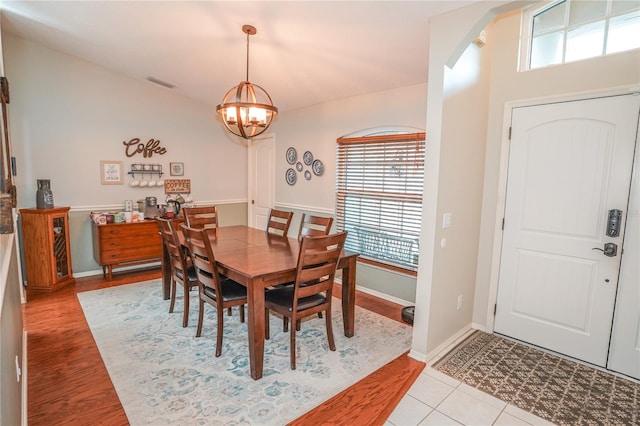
{"x": 305, "y": 52}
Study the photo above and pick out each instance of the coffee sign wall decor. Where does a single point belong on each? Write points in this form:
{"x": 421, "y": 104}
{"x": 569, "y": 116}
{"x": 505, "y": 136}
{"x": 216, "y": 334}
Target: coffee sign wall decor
{"x": 134, "y": 146}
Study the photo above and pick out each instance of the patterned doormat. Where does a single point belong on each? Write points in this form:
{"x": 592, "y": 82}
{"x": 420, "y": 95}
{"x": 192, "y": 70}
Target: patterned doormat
{"x": 556, "y": 389}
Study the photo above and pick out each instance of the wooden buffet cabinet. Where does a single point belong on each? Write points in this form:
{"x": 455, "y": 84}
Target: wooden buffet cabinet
{"x": 47, "y": 252}
{"x": 126, "y": 244}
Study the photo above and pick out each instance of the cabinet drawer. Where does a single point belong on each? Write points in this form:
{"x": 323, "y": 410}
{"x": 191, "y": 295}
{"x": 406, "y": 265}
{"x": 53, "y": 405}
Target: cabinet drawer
{"x": 130, "y": 241}
{"x": 130, "y": 254}
{"x": 110, "y": 232}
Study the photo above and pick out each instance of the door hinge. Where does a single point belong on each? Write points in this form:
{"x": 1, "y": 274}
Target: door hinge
{"x": 253, "y": 201}
{"x": 495, "y": 309}
{"x": 503, "y": 223}
{"x": 510, "y": 132}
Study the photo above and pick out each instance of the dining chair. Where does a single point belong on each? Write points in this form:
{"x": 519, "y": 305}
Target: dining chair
{"x": 201, "y": 217}
{"x": 279, "y": 222}
{"x": 312, "y": 290}
{"x": 182, "y": 270}
{"x": 222, "y": 293}
{"x": 314, "y": 226}
{"x": 311, "y": 226}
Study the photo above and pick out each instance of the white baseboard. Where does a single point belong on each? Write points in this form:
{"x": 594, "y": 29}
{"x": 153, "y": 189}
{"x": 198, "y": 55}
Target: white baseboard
{"x": 448, "y": 344}
{"x": 380, "y": 295}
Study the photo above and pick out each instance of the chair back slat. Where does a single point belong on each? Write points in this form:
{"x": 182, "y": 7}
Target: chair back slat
{"x": 279, "y": 222}
{"x": 201, "y": 217}
{"x": 314, "y": 226}
{"x": 177, "y": 256}
{"x": 316, "y": 268}
{"x": 202, "y": 257}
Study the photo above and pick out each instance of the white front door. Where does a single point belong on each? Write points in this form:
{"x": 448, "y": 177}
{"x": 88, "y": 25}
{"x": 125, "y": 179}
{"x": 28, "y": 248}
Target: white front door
{"x": 262, "y": 163}
{"x": 569, "y": 164}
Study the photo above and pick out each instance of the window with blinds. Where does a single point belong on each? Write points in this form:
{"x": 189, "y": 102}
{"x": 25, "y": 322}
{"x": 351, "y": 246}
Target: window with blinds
{"x": 379, "y": 186}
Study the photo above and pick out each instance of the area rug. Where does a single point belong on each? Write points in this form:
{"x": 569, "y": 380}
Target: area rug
{"x": 554, "y": 388}
{"x": 163, "y": 374}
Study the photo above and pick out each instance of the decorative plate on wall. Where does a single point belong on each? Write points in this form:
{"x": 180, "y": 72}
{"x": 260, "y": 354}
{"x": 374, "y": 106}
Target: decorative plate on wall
{"x": 299, "y": 166}
{"x": 292, "y": 155}
{"x": 318, "y": 168}
{"x": 291, "y": 176}
{"x": 307, "y": 175}
{"x": 307, "y": 158}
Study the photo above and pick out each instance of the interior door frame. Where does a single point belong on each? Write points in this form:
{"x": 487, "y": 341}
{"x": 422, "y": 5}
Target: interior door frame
{"x": 492, "y": 298}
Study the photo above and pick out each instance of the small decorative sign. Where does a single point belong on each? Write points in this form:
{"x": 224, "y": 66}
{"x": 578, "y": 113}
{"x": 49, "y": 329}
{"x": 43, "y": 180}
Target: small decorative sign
{"x": 176, "y": 169}
{"x": 134, "y": 146}
{"x": 177, "y": 186}
{"x": 111, "y": 172}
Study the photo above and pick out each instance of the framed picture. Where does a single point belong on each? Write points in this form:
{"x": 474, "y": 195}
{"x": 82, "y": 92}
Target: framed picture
{"x": 176, "y": 169}
{"x": 111, "y": 172}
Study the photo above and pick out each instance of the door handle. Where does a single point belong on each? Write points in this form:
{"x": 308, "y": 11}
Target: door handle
{"x": 610, "y": 249}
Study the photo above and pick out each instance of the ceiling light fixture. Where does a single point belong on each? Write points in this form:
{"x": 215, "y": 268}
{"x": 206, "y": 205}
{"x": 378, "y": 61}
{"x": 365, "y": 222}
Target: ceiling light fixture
{"x": 247, "y": 109}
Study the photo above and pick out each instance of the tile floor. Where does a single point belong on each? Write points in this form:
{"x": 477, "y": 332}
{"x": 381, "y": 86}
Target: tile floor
{"x": 437, "y": 399}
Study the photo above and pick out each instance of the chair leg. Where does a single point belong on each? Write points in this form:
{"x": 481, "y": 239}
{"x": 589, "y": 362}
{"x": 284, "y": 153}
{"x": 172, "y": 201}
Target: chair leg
{"x": 292, "y": 344}
{"x": 200, "y": 318}
{"x": 229, "y": 312}
{"x": 241, "y": 313}
{"x": 173, "y": 295}
{"x": 185, "y": 315}
{"x": 332, "y": 343}
{"x": 285, "y": 324}
{"x": 266, "y": 324}
{"x": 220, "y": 313}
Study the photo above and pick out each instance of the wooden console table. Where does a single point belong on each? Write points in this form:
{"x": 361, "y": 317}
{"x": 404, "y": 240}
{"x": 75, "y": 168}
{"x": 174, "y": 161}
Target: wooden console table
{"x": 126, "y": 244}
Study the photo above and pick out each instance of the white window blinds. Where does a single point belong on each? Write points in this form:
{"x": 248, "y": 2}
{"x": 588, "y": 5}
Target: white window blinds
{"x": 379, "y": 186}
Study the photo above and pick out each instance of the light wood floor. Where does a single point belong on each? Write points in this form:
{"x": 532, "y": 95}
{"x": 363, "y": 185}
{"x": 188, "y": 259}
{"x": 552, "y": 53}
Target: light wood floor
{"x": 69, "y": 384}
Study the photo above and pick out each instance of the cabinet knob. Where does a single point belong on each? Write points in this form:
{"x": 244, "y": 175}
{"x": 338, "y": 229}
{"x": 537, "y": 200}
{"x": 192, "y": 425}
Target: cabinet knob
{"x": 114, "y": 243}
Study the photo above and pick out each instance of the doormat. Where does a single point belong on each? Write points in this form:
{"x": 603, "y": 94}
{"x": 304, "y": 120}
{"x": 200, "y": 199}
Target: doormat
{"x": 554, "y": 388}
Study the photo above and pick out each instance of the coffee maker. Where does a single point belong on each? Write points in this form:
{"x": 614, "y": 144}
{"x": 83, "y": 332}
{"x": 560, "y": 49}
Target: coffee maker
{"x": 44, "y": 195}
{"x": 151, "y": 209}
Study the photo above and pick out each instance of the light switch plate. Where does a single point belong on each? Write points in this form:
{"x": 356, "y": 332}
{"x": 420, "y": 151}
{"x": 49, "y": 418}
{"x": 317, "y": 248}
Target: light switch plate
{"x": 446, "y": 220}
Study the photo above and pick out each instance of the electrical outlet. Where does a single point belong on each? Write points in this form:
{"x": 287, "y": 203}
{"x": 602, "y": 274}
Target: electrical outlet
{"x": 459, "y": 302}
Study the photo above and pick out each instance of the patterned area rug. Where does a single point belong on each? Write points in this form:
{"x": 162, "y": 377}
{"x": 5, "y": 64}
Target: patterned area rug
{"x": 164, "y": 375}
{"x": 551, "y": 387}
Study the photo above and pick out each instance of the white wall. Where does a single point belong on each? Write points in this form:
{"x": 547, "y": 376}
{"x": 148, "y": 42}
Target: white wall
{"x": 316, "y": 129}
{"x": 68, "y": 114}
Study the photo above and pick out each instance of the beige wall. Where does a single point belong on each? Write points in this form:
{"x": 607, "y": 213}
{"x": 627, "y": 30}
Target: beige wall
{"x": 456, "y": 129}
{"x": 68, "y": 114}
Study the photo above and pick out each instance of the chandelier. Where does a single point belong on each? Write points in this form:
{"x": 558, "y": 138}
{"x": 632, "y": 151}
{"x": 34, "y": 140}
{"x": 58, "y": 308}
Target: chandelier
{"x": 247, "y": 109}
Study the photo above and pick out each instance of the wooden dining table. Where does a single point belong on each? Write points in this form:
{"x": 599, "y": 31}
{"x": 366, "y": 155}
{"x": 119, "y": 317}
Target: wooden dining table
{"x": 257, "y": 260}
